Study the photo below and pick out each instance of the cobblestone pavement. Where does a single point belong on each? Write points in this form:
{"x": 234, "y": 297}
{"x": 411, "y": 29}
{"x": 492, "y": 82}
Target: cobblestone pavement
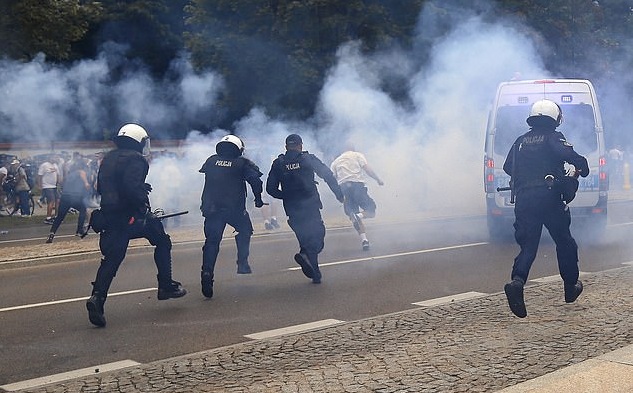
{"x": 474, "y": 345}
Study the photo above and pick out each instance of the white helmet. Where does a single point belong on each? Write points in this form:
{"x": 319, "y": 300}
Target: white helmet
{"x": 136, "y": 133}
{"x": 545, "y": 108}
{"x": 133, "y": 131}
{"x": 228, "y": 143}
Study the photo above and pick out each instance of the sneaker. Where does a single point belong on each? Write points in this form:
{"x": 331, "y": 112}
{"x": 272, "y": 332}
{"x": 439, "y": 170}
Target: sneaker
{"x": 268, "y": 226}
{"x": 514, "y": 293}
{"x": 50, "y": 238}
{"x": 172, "y": 291}
{"x": 243, "y": 268}
{"x": 49, "y": 221}
{"x": 573, "y": 291}
{"x": 274, "y": 223}
{"x": 95, "y": 310}
{"x": 365, "y": 245}
{"x": 304, "y": 262}
{"x": 317, "y": 278}
{"x": 206, "y": 279}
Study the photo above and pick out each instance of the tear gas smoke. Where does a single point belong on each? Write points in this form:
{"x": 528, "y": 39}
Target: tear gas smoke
{"x": 45, "y": 102}
{"x": 427, "y": 146}
{"x": 419, "y": 115}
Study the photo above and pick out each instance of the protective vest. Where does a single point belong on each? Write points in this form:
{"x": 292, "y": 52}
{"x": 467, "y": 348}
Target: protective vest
{"x": 224, "y": 186}
{"x": 535, "y": 159}
{"x": 297, "y": 176}
{"x": 120, "y": 182}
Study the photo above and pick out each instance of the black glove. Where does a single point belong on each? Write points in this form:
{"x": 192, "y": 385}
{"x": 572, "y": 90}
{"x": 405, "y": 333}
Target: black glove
{"x": 258, "y": 202}
{"x": 148, "y": 187}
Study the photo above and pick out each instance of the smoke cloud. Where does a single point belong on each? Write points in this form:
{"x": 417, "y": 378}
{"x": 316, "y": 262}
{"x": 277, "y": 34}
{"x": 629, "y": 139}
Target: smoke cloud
{"x": 424, "y": 138}
{"x": 418, "y": 114}
{"x": 45, "y": 102}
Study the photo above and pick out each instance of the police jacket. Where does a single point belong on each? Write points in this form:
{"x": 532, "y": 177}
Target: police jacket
{"x": 294, "y": 171}
{"x": 121, "y": 183}
{"x": 225, "y": 183}
{"x": 541, "y": 152}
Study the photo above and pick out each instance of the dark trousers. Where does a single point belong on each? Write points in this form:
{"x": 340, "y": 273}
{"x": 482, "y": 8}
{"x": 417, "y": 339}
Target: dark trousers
{"x": 214, "y": 225}
{"x": 114, "y": 241}
{"x": 65, "y": 203}
{"x": 25, "y": 209}
{"x": 307, "y": 224}
{"x": 537, "y": 207}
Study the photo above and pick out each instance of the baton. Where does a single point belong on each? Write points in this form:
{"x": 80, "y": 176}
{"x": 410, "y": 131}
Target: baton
{"x": 169, "y": 215}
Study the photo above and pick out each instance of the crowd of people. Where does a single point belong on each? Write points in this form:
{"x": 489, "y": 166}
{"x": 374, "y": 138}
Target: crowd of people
{"x": 50, "y": 183}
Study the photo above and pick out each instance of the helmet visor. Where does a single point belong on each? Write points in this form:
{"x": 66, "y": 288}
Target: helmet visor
{"x": 146, "y": 147}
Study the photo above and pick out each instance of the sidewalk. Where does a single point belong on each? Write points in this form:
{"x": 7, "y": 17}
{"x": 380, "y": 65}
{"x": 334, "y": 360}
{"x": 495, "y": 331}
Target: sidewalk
{"x": 474, "y": 345}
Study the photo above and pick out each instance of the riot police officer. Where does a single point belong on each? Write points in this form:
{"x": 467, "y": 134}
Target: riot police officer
{"x": 224, "y": 202}
{"x": 294, "y": 172}
{"x": 536, "y": 164}
{"x": 125, "y": 214}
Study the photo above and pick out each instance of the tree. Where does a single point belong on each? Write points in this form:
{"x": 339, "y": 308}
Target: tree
{"x": 28, "y": 27}
{"x": 274, "y": 53}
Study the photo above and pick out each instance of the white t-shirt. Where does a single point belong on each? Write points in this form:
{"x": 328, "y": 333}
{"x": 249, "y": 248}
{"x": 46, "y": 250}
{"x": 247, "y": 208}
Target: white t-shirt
{"x": 349, "y": 167}
{"x": 49, "y": 172}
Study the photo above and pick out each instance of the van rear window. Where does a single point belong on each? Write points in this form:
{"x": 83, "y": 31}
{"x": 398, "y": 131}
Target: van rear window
{"x": 578, "y": 127}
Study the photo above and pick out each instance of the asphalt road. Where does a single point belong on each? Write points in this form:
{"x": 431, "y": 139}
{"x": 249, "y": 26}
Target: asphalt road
{"x": 44, "y": 327}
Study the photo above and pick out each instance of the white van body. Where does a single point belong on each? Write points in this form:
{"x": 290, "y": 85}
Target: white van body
{"x": 582, "y": 126}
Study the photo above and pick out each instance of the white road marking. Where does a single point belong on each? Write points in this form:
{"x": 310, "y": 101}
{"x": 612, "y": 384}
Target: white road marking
{"x": 77, "y": 299}
{"x": 554, "y": 278}
{"x": 449, "y": 299}
{"x": 400, "y": 254}
{"x": 293, "y": 329}
{"x": 55, "y": 378}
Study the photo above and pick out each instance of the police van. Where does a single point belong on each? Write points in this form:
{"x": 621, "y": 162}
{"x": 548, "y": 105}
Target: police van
{"x": 582, "y": 126}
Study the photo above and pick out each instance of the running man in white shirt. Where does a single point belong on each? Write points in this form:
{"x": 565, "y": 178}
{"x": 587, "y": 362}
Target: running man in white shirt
{"x": 349, "y": 169}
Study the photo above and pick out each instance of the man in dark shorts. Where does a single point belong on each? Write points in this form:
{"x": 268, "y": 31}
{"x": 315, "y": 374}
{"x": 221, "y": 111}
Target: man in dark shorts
{"x": 349, "y": 169}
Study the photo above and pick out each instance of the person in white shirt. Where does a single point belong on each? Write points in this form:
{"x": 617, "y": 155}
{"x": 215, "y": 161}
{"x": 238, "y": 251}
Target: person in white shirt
{"x": 47, "y": 175}
{"x": 349, "y": 169}
{"x": 3, "y": 175}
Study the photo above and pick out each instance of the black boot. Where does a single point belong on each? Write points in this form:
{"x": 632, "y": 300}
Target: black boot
{"x": 514, "y": 293}
{"x": 95, "y": 308}
{"x": 573, "y": 291}
{"x": 303, "y": 261}
{"x": 206, "y": 279}
{"x": 170, "y": 290}
{"x": 243, "y": 268}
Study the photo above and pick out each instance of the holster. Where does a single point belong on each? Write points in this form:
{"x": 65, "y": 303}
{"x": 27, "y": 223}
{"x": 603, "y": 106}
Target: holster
{"x": 97, "y": 221}
{"x": 568, "y": 186}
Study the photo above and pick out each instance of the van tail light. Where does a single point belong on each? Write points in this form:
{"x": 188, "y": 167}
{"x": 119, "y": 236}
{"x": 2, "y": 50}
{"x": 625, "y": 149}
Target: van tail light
{"x": 489, "y": 174}
{"x": 603, "y": 179}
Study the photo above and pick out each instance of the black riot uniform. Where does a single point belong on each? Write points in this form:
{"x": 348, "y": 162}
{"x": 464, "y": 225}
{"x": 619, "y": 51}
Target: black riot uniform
{"x": 541, "y": 152}
{"x": 294, "y": 171}
{"x": 125, "y": 214}
{"x": 224, "y": 202}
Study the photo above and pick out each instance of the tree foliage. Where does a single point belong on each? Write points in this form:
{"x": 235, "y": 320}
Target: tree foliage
{"x": 275, "y": 53}
{"x": 28, "y": 27}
